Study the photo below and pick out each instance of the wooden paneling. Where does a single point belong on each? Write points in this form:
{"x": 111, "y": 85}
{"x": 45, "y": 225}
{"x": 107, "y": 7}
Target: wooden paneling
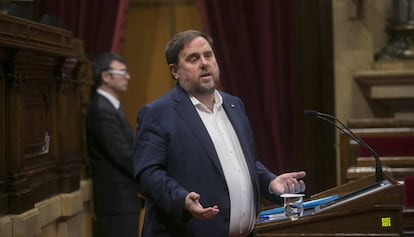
{"x": 149, "y": 27}
{"x": 3, "y": 194}
{"x": 41, "y": 136}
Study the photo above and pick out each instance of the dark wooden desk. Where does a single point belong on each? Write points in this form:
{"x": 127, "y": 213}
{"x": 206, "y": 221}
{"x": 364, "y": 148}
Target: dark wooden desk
{"x": 363, "y": 209}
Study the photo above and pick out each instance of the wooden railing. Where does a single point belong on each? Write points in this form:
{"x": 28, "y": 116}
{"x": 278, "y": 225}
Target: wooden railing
{"x": 392, "y": 139}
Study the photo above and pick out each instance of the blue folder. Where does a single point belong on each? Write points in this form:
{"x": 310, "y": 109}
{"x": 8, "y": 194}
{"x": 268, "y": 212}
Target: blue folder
{"x": 306, "y": 205}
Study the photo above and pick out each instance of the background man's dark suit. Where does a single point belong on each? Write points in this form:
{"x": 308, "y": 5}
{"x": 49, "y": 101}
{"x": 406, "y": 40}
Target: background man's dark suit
{"x": 110, "y": 145}
{"x": 171, "y": 127}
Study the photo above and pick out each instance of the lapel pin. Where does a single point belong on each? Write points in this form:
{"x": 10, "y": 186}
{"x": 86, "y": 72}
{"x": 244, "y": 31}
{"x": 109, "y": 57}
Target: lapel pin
{"x": 232, "y": 105}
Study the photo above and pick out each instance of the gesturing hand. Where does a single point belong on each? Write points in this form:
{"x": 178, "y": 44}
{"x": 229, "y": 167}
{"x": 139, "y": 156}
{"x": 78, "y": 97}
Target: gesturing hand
{"x": 193, "y": 205}
{"x": 288, "y": 183}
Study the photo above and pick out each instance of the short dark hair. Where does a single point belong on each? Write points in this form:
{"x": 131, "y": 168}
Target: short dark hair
{"x": 177, "y": 43}
{"x": 103, "y": 63}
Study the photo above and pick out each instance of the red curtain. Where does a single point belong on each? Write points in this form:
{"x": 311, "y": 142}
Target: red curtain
{"x": 253, "y": 42}
{"x": 98, "y": 23}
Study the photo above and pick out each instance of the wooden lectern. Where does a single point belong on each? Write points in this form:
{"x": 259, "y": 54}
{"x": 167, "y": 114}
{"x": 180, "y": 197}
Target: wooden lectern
{"x": 363, "y": 208}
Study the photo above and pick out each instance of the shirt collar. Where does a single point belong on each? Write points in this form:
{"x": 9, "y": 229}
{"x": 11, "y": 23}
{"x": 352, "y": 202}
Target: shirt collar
{"x": 114, "y": 101}
{"x": 218, "y": 101}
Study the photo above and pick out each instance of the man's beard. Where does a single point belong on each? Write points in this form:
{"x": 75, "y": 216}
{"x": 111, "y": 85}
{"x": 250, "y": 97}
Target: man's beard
{"x": 199, "y": 90}
{"x": 202, "y": 91}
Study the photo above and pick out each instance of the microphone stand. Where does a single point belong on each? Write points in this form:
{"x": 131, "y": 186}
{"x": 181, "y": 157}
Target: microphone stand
{"x": 343, "y": 128}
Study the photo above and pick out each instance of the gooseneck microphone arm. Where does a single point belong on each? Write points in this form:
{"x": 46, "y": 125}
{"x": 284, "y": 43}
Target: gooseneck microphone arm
{"x": 343, "y": 128}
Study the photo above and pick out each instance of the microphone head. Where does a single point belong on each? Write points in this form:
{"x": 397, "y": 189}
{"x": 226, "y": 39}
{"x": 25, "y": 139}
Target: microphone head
{"x": 310, "y": 113}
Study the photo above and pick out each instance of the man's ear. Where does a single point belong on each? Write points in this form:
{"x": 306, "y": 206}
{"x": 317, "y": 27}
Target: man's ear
{"x": 105, "y": 76}
{"x": 173, "y": 70}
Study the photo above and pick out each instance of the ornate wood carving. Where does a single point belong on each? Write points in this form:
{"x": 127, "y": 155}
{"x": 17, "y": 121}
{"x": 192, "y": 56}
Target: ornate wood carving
{"x": 40, "y": 109}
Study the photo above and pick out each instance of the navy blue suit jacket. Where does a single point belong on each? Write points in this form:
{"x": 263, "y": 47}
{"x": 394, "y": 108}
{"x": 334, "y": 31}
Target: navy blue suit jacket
{"x": 174, "y": 155}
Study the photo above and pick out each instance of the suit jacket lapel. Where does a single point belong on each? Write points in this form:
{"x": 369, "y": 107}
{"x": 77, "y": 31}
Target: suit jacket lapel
{"x": 125, "y": 123}
{"x": 126, "y": 128}
{"x": 235, "y": 113}
{"x": 186, "y": 110}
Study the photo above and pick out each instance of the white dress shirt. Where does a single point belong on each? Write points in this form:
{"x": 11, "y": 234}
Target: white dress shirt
{"x": 233, "y": 163}
{"x": 114, "y": 101}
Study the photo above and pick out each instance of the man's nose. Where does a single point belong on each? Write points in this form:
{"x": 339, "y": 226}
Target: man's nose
{"x": 204, "y": 61}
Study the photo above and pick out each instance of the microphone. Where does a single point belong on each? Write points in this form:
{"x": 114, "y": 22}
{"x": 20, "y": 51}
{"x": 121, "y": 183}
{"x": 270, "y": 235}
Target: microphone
{"x": 343, "y": 128}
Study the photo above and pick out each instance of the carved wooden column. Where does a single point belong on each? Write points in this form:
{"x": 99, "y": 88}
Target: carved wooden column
{"x": 69, "y": 126}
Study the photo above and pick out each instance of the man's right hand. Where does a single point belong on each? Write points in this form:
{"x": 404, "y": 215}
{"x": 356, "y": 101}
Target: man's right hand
{"x": 193, "y": 205}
